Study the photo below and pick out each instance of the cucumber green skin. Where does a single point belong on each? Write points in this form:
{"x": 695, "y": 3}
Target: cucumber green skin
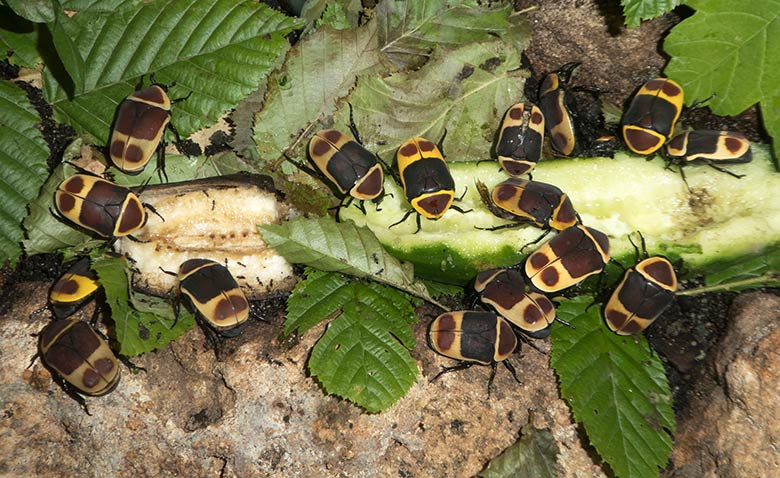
{"x": 720, "y": 221}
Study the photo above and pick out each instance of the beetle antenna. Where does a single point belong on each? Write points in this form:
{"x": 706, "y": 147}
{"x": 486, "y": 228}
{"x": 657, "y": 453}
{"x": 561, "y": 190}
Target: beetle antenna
{"x": 167, "y": 272}
{"x": 441, "y": 142}
{"x": 352, "y": 126}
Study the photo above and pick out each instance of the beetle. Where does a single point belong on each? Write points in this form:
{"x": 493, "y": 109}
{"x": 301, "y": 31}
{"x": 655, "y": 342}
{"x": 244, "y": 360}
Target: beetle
{"x": 215, "y": 298}
{"x": 524, "y": 201}
{"x": 99, "y": 205}
{"x": 505, "y": 290}
{"x": 646, "y": 291}
{"x": 519, "y": 146}
{"x": 426, "y": 180}
{"x": 140, "y": 124}
{"x": 709, "y": 147}
{"x": 557, "y": 106}
{"x": 350, "y": 167}
{"x": 473, "y": 337}
{"x": 73, "y": 289}
{"x": 649, "y": 120}
{"x": 80, "y": 357}
{"x": 567, "y": 259}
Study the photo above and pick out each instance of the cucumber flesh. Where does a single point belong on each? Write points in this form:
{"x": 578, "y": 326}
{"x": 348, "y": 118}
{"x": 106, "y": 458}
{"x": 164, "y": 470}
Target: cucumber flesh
{"x": 720, "y": 220}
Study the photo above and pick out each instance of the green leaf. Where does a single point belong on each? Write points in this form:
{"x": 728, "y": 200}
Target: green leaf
{"x": 363, "y": 355}
{"x": 23, "y": 155}
{"x": 439, "y": 289}
{"x": 327, "y": 245}
{"x": 534, "y": 454}
{"x": 19, "y": 37}
{"x": 99, "y": 5}
{"x": 727, "y": 50}
{"x": 142, "y": 323}
{"x": 38, "y": 11}
{"x": 409, "y": 31}
{"x": 617, "y": 388}
{"x": 637, "y": 10}
{"x": 464, "y": 91}
{"x": 320, "y": 70}
{"x": 219, "y": 51}
{"x": 63, "y": 30}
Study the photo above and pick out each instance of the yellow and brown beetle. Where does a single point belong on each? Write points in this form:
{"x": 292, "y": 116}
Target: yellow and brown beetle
{"x": 79, "y": 356}
{"x": 567, "y": 259}
{"x": 473, "y": 337}
{"x": 505, "y": 290}
{"x": 99, "y": 205}
{"x": 650, "y": 118}
{"x": 646, "y": 291}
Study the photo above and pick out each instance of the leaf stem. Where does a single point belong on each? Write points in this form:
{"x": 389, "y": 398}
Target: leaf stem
{"x": 761, "y": 281}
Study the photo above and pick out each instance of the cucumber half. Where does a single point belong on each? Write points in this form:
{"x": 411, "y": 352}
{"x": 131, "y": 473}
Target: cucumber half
{"x": 719, "y": 222}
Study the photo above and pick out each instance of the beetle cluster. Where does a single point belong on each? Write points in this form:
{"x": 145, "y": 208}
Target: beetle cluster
{"x": 76, "y": 352}
{"x": 577, "y": 251}
{"x": 649, "y": 124}
{"x": 355, "y": 173}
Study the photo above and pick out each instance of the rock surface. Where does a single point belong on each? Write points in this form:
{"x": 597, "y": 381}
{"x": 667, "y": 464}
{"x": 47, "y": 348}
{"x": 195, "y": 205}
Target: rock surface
{"x": 256, "y": 413}
{"x": 731, "y": 427}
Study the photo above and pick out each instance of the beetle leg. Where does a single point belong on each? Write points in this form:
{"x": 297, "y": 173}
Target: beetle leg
{"x": 133, "y": 367}
{"x": 406, "y": 216}
{"x": 535, "y": 241}
{"x": 453, "y": 368}
{"x": 501, "y": 226}
{"x": 724, "y": 170}
{"x": 460, "y": 210}
{"x": 511, "y": 368}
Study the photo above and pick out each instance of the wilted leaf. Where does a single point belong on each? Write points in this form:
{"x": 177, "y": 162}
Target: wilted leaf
{"x": 535, "y": 454}
{"x": 465, "y": 92}
{"x": 320, "y": 70}
{"x": 409, "y": 31}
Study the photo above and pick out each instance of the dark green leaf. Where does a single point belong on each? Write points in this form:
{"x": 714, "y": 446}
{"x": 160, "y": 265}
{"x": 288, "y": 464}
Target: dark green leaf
{"x": 220, "y": 51}
{"x": 363, "y": 354}
{"x": 726, "y": 51}
{"x": 19, "y": 37}
{"x": 23, "y": 155}
{"x": 617, "y": 388}
{"x": 142, "y": 323}
{"x": 637, "y": 10}
{"x": 63, "y": 30}
{"x": 341, "y": 247}
{"x": 99, "y": 5}
{"x": 409, "y": 31}
{"x": 314, "y": 299}
{"x": 535, "y": 454}
{"x": 38, "y": 11}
